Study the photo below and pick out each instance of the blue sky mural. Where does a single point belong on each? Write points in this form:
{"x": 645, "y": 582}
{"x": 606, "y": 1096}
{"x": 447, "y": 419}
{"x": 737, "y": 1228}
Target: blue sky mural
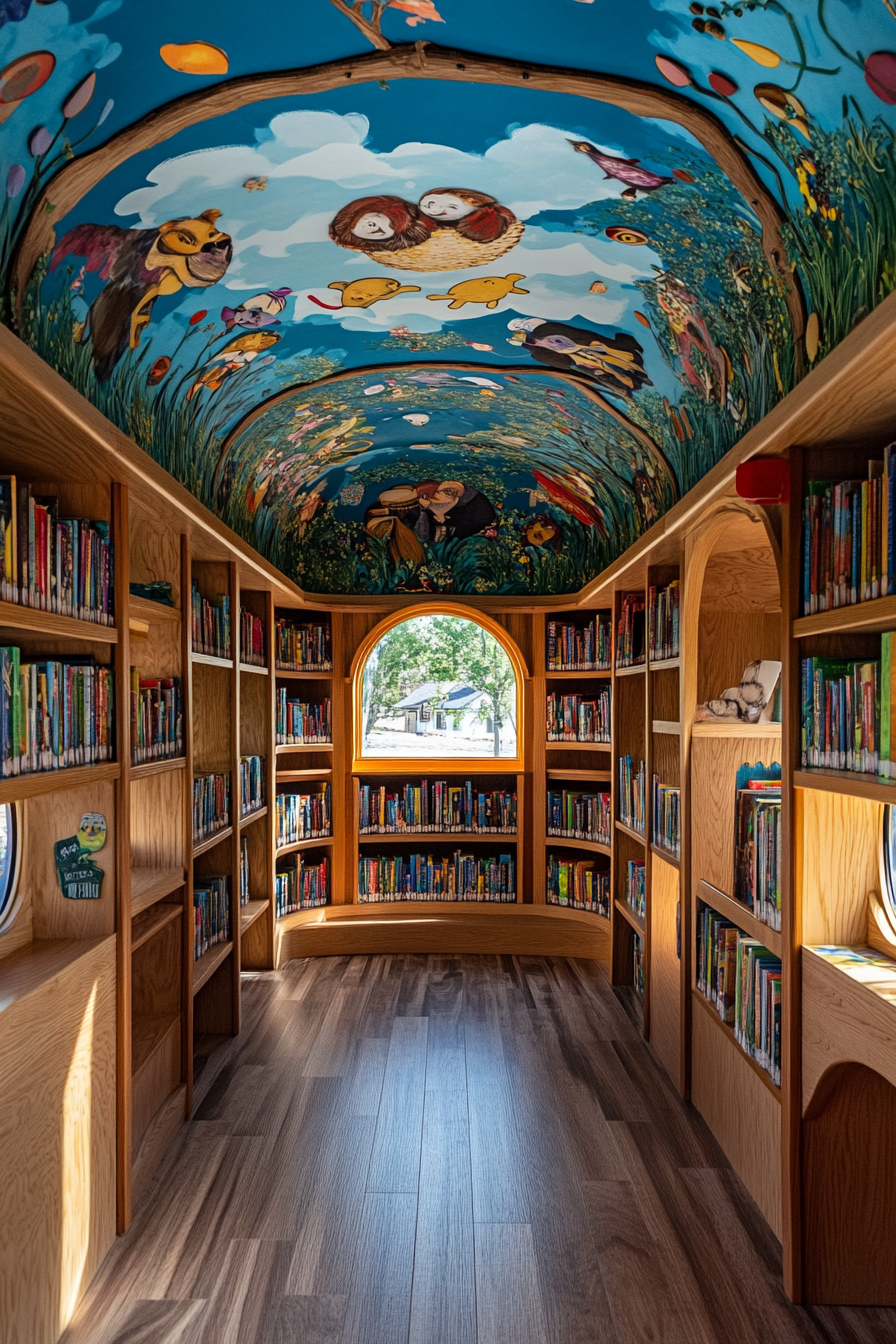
{"x": 634, "y": 272}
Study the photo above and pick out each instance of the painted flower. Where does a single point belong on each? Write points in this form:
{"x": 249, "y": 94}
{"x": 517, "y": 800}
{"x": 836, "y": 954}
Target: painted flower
{"x": 107, "y": 108}
{"x": 761, "y": 55}
{"x": 15, "y": 180}
{"x": 673, "y": 71}
{"x": 197, "y": 317}
{"x": 880, "y": 75}
{"x": 39, "y": 141}
{"x": 722, "y": 84}
{"x": 195, "y": 58}
{"x": 80, "y": 97}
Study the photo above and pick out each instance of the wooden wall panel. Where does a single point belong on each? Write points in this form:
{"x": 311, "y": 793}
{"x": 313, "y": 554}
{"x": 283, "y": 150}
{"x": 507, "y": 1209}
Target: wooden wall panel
{"x": 714, "y": 765}
{"x": 57, "y": 1144}
{"x": 157, "y": 822}
{"x": 838, "y": 841}
{"x": 154, "y": 1083}
{"x": 741, "y": 1112}
{"x": 155, "y": 553}
{"x": 849, "y": 1181}
{"x": 156, "y": 973}
{"x": 665, "y": 968}
{"x": 845, "y": 1019}
{"x": 211, "y": 718}
{"x": 742, "y": 579}
{"x": 514, "y": 930}
{"x": 56, "y": 816}
{"x": 254, "y": 727}
{"x": 728, "y": 642}
{"x": 156, "y": 654}
{"x": 22, "y": 931}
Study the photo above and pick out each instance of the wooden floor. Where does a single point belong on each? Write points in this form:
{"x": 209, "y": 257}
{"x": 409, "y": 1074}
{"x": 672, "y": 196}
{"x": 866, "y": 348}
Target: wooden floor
{"x": 469, "y": 1150}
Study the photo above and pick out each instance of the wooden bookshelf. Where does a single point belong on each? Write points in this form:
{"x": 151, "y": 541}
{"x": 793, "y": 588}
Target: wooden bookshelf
{"x": 739, "y": 567}
{"x": 740, "y": 915}
{"x": 24, "y": 619}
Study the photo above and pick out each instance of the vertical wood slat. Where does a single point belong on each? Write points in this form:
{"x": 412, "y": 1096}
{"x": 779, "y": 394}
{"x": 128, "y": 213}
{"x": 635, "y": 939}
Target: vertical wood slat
{"x": 122, "y": 831}
{"x": 618, "y": 931}
{"x": 791, "y": 921}
{"x": 233, "y": 588}
{"x": 189, "y": 925}
{"x": 682, "y": 1082}
{"x": 536, "y": 853}
{"x": 341, "y": 720}
{"x": 270, "y": 822}
{"x": 647, "y": 707}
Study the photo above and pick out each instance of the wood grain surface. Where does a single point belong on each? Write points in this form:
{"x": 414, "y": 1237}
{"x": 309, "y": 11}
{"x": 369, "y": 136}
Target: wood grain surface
{"x": 665, "y": 967}
{"x": 838, "y": 843}
{"x": 57, "y": 1133}
{"x": 740, "y": 1110}
{"x": 559, "y": 1190}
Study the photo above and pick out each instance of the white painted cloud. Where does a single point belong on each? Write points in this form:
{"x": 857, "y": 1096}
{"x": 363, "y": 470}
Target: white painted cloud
{"x": 313, "y": 163}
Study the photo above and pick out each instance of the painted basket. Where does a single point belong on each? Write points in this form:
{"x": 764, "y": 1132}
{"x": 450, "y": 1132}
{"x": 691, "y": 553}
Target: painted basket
{"x": 445, "y": 250}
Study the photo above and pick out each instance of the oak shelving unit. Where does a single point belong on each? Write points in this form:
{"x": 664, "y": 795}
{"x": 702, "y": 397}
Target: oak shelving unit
{"x": 558, "y": 764}
{"x": 739, "y": 569}
{"x": 630, "y": 737}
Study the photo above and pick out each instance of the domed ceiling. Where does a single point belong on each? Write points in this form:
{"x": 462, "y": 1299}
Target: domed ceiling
{"x": 431, "y": 296}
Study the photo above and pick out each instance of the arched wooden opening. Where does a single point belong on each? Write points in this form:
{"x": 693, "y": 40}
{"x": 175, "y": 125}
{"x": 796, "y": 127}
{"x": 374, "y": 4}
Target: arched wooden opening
{"x": 849, "y": 1184}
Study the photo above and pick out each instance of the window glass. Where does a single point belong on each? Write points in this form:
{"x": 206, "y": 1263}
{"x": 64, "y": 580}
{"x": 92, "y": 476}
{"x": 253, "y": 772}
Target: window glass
{"x": 8, "y": 862}
{"x": 437, "y": 687}
{"x": 890, "y": 857}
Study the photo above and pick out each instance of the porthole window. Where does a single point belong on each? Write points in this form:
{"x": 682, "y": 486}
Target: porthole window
{"x": 436, "y": 686}
{"x": 888, "y": 864}
{"x": 9, "y": 863}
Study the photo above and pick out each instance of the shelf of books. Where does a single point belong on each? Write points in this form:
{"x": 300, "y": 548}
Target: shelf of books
{"x": 842, "y": 523}
{"x": 572, "y": 784}
{"x": 732, "y": 845}
{"x": 453, "y": 839}
{"x": 216, "y": 747}
{"x": 663, "y": 822}
{"x": 308, "y": 778}
{"x": 160, "y": 904}
{"x": 256, "y": 775}
{"x": 630, "y": 967}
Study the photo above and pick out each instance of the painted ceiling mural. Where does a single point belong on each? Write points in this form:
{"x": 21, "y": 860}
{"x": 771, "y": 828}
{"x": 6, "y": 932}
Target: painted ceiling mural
{"x": 412, "y": 315}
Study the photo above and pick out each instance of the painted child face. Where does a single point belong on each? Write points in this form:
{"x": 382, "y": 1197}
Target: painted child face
{"x": 442, "y": 205}
{"x": 373, "y": 225}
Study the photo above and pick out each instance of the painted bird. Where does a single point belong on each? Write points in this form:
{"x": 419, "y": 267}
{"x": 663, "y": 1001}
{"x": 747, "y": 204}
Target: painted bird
{"x": 262, "y": 310}
{"x": 627, "y": 171}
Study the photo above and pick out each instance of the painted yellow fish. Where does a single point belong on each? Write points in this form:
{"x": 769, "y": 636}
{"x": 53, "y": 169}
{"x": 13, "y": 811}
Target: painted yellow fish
{"x": 364, "y": 293}
{"x": 490, "y": 290}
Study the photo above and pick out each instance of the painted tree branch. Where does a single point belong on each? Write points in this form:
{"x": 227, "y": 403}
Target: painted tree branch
{"x": 370, "y": 28}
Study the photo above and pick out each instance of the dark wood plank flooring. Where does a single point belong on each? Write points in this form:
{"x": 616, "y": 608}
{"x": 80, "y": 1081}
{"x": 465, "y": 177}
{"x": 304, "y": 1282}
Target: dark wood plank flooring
{"x": 458, "y": 1150}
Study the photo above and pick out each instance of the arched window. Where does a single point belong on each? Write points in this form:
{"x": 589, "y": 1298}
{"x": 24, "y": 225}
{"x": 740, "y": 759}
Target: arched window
{"x": 9, "y": 863}
{"x": 439, "y": 684}
{"x": 888, "y": 865}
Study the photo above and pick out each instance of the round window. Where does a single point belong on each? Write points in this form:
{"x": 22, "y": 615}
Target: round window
{"x": 9, "y": 863}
